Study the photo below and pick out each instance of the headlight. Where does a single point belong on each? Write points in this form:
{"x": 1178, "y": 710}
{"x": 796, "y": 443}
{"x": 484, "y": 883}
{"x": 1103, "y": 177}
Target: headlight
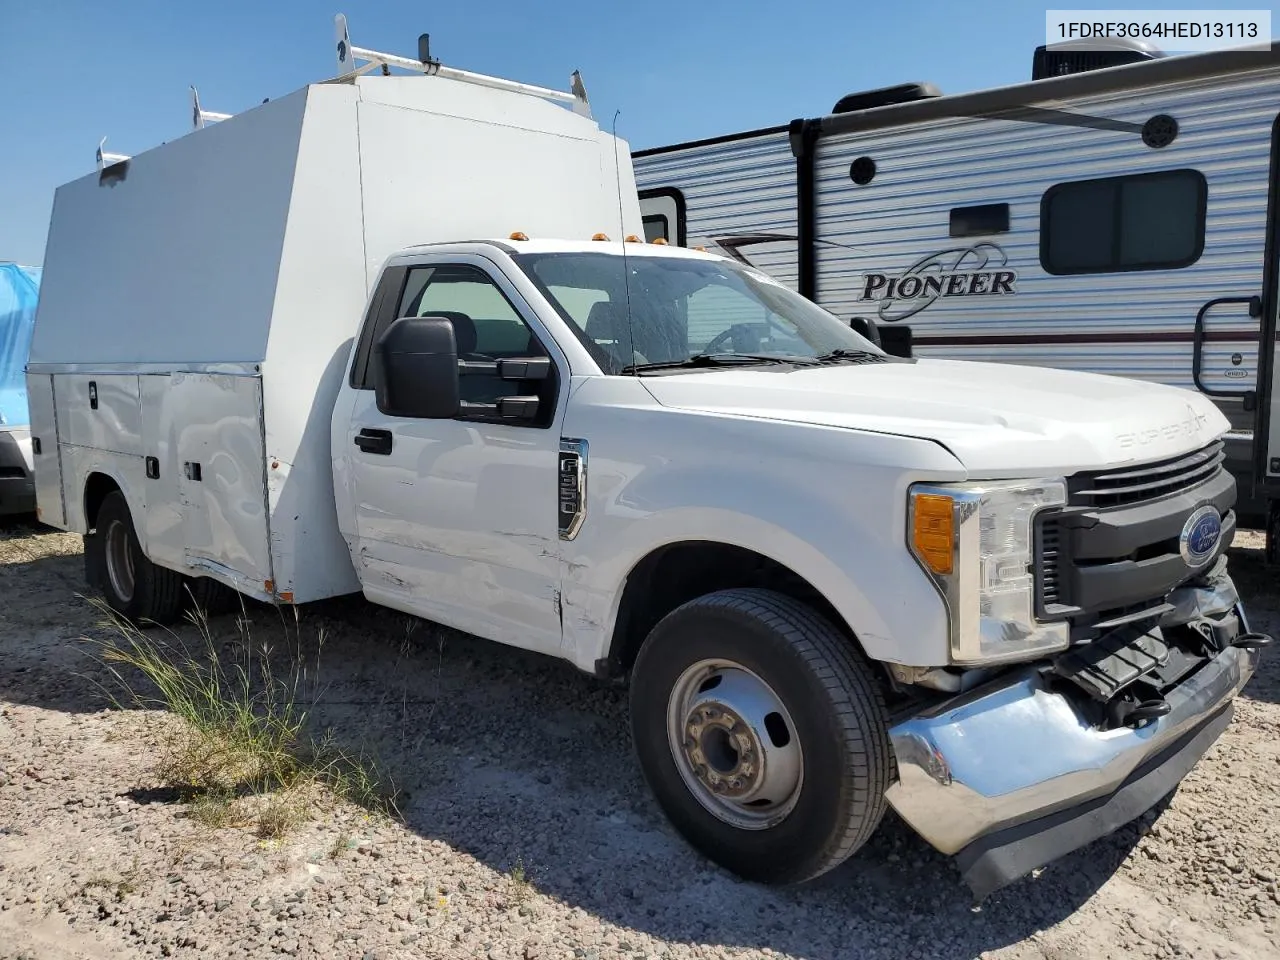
{"x": 976, "y": 542}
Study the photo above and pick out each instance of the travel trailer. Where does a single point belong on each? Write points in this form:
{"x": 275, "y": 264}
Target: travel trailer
{"x": 374, "y": 337}
{"x": 1115, "y": 219}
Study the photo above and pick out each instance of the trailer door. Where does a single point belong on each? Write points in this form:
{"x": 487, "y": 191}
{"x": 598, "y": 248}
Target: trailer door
{"x": 1267, "y": 447}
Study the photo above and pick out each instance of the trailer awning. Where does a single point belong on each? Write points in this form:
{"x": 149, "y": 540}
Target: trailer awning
{"x": 19, "y": 288}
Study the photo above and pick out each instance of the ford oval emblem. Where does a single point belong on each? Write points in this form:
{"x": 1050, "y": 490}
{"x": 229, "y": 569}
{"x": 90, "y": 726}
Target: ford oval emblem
{"x": 1200, "y": 536}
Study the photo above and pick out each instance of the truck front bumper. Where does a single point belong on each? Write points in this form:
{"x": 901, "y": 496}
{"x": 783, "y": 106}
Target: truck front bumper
{"x": 17, "y": 482}
{"x": 1011, "y": 775}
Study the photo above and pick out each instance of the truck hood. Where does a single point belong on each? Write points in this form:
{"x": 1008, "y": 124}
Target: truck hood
{"x": 996, "y": 419}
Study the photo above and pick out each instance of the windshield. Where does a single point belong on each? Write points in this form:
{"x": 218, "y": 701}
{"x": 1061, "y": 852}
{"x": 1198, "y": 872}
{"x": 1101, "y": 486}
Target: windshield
{"x": 682, "y": 309}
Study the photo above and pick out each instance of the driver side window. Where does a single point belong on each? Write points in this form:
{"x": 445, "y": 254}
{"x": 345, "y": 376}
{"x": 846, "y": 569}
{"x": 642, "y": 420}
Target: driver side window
{"x": 486, "y": 326}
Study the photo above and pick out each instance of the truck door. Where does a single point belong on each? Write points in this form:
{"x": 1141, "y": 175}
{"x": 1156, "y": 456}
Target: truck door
{"x": 456, "y": 519}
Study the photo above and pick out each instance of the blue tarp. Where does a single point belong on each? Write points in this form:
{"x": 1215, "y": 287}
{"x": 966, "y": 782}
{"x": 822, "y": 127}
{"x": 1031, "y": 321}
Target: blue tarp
{"x": 19, "y": 287}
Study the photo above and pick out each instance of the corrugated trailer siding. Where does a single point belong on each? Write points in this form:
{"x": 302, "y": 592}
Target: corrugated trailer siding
{"x": 741, "y": 186}
{"x": 924, "y": 171}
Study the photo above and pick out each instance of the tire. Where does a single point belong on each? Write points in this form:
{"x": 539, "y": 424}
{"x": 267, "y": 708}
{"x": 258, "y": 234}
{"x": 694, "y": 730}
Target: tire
{"x": 209, "y": 596}
{"x": 115, "y": 565}
{"x": 832, "y": 710}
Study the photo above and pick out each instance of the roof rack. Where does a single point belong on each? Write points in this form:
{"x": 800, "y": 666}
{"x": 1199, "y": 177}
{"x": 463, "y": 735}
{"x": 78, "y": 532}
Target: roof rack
{"x": 373, "y": 60}
{"x": 200, "y": 117}
{"x": 107, "y": 159}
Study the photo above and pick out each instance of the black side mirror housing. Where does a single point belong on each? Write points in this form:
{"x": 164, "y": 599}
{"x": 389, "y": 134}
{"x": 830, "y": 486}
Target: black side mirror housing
{"x": 525, "y": 368}
{"x": 896, "y": 340}
{"x": 867, "y": 329}
{"x": 415, "y": 369}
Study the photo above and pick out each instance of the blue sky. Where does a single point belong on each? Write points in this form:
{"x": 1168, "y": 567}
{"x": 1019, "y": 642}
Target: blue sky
{"x": 74, "y": 72}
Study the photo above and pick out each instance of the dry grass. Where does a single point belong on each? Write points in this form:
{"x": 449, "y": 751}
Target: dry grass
{"x": 119, "y": 887}
{"x": 521, "y": 885}
{"x": 240, "y": 752}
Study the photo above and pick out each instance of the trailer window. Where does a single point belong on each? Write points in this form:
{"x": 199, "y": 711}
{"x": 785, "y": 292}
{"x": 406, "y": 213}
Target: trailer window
{"x": 1150, "y": 221}
{"x": 656, "y": 228}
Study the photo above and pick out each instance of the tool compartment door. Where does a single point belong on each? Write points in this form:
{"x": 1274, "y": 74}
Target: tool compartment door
{"x": 214, "y": 448}
{"x": 45, "y": 455}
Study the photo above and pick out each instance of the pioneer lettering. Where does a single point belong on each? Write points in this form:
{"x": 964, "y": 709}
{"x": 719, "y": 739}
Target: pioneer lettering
{"x": 880, "y": 285}
{"x": 967, "y": 272}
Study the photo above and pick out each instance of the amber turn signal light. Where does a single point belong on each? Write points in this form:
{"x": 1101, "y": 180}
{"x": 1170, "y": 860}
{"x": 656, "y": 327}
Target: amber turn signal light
{"x": 933, "y": 531}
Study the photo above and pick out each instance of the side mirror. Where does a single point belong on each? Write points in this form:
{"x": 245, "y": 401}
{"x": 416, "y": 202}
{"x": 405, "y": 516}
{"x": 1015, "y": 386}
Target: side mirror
{"x": 866, "y": 328}
{"x": 415, "y": 369}
{"x": 896, "y": 340}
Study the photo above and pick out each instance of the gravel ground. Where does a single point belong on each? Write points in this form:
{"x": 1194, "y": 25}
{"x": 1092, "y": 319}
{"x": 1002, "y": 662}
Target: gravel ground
{"x": 527, "y": 831}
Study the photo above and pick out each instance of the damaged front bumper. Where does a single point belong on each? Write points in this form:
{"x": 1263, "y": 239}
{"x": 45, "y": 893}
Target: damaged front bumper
{"x": 1029, "y": 767}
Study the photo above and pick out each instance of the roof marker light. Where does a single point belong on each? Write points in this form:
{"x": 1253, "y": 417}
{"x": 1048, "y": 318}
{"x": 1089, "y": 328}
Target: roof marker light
{"x": 519, "y": 236}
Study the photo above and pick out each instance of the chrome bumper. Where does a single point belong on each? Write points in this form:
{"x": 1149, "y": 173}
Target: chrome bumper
{"x": 1013, "y": 754}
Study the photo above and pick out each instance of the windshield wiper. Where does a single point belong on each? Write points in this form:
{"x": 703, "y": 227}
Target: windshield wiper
{"x": 717, "y": 360}
{"x": 841, "y": 353}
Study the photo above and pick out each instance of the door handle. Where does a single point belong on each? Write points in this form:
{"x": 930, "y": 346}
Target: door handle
{"x": 374, "y": 441}
{"x": 1197, "y": 347}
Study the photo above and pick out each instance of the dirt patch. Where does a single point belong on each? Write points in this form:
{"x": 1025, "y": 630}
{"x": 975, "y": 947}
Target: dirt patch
{"x": 527, "y": 831}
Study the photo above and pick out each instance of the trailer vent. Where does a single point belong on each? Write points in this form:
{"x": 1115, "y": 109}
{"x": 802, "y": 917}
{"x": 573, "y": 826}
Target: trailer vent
{"x": 1083, "y": 56}
{"x": 1114, "y": 488}
{"x": 886, "y": 96}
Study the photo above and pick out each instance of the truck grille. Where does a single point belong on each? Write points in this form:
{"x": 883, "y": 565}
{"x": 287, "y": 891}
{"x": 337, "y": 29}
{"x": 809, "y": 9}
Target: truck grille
{"x": 1110, "y": 557}
{"x": 1150, "y": 481}
{"x": 1050, "y": 561}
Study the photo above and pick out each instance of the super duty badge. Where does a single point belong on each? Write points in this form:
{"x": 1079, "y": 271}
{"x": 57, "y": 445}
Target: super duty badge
{"x": 572, "y": 505}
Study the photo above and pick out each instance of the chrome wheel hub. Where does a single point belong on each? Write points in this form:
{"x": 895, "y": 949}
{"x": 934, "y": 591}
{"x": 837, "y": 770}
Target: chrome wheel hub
{"x": 119, "y": 560}
{"x": 734, "y": 744}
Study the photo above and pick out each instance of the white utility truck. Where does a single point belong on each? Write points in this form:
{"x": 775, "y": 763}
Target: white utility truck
{"x": 994, "y": 597}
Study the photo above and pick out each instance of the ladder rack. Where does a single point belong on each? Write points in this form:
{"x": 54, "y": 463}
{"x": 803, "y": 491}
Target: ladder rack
{"x": 201, "y": 117}
{"x": 347, "y": 69}
{"x": 576, "y": 96}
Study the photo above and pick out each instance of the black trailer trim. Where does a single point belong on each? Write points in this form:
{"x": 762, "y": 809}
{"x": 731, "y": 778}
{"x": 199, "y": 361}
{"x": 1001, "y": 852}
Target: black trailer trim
{"x": 1270, "y": 306}
{"x": 1061, "y": 118}
{"x": 1031, "y": 339}
{"x": 710, "y": 141}
{"x": 677, "y": 195}
{"x": 803, "y": 135}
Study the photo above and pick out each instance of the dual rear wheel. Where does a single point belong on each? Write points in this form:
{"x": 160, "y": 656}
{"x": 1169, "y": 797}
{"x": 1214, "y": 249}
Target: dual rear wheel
{"x": 132, "y": 585}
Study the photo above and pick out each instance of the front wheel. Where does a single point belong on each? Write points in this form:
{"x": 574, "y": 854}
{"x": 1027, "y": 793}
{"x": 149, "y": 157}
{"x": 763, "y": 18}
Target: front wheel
{"x": 762, "y": 733}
